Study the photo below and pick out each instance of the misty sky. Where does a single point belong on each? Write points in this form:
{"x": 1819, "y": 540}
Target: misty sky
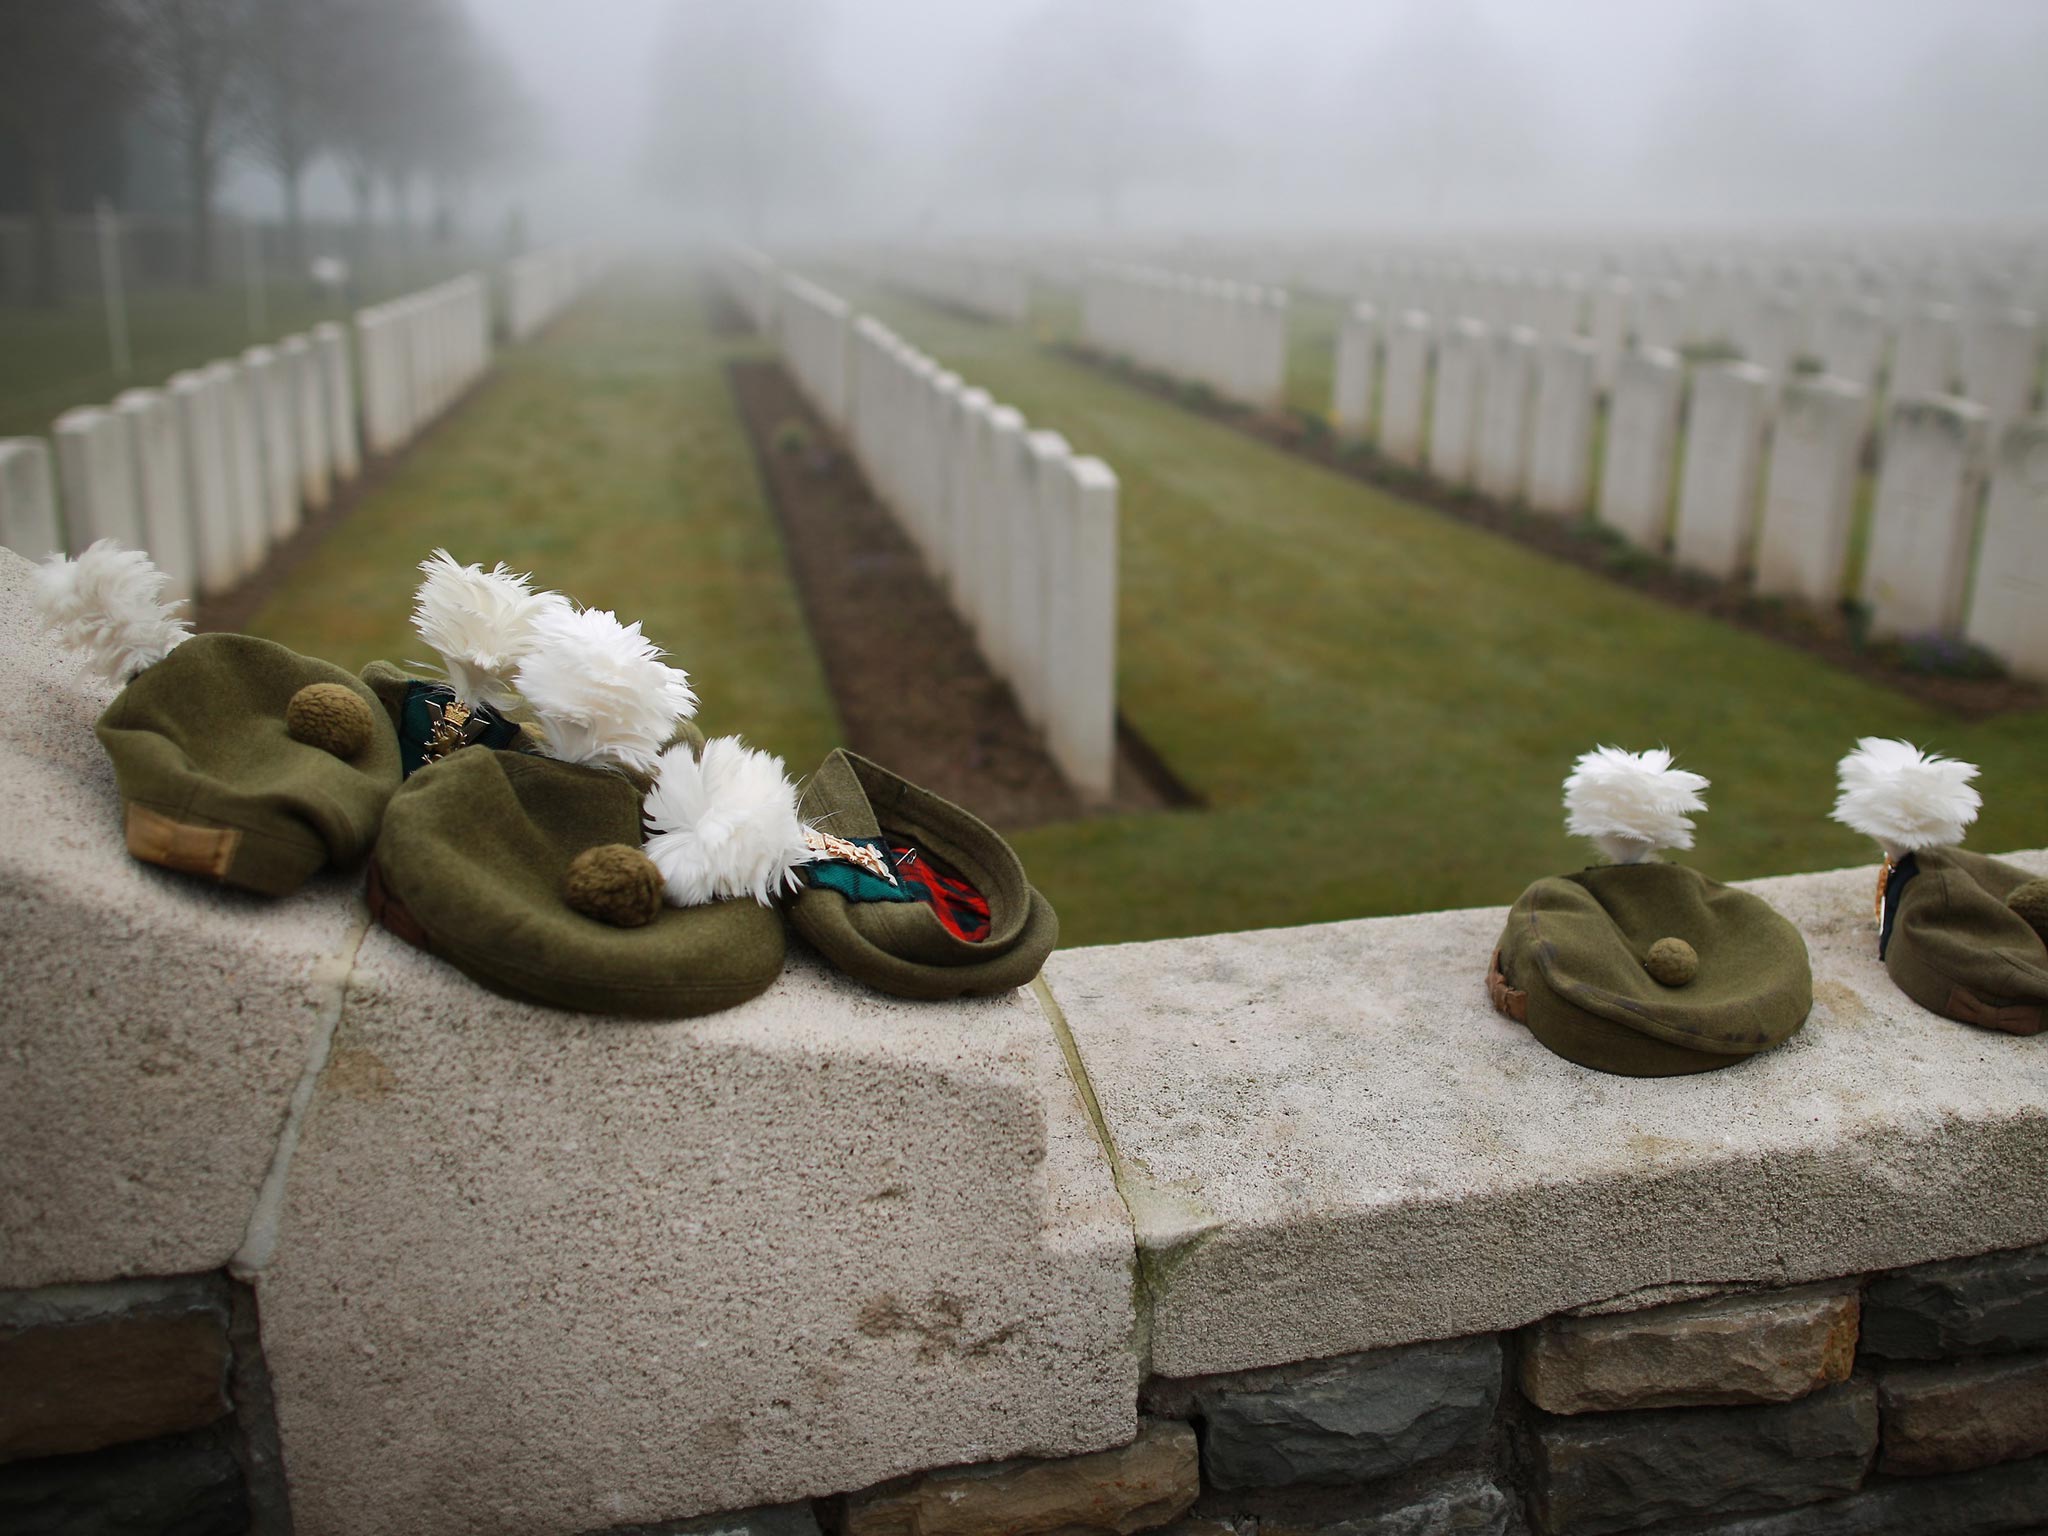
{"x": 1341, "y": 114}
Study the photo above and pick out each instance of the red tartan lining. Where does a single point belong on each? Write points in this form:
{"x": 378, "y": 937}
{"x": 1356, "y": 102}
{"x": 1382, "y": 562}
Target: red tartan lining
{"x": 961, "y": 910}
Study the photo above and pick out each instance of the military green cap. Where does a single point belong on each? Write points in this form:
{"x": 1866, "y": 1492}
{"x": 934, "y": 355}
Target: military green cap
{"x": 484, "y": 852}
{"x": 1959, "y": 938}
{"x": 914, "y": 931}
{"x": 247, "y": 763}
{"x": 1650, "y": 970}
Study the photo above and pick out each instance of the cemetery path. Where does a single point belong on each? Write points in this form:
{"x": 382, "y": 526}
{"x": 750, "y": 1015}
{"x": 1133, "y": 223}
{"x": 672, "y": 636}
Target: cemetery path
{"x": 606, "y": 458}
{"x": 1379, "y": 703}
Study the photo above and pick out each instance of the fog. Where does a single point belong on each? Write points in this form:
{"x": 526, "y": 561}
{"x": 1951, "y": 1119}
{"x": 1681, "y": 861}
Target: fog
{"x": 1096, "y": 118}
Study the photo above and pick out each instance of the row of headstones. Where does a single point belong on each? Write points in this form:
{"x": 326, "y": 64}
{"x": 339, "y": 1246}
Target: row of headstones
{"x": 994, "y": 290}
{"x": 541, "y": 284}
{"x": 1988, "y": 353}
{"x": 1230, "y": 337}
{"x": 1020, "y": 530}
{"x": 1719, "y": 278}
{"x": 1769, "y": 476}
{"x": 418, "y": 355}
{"x": 205, "y": 474}
{"x": 210, "y": 472}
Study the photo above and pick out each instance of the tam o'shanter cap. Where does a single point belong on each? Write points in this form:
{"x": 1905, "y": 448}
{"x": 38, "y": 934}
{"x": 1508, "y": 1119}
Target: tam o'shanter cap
{"x": 475, "y": 865}
{"x": 1642, "y": 968}
{"x": 527, "y": 870}
{"x": 895, "y": 894}
{"x": 237, "y": 759}
{"x": 1961, "y": 934}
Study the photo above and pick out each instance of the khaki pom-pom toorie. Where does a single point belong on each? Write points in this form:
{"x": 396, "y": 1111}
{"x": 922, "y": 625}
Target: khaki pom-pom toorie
{"x": 1672, "y": 962}
{"x": 330, "y": 716}
{"x": 615, "y": 884}
{"x": 2031, "y": 902}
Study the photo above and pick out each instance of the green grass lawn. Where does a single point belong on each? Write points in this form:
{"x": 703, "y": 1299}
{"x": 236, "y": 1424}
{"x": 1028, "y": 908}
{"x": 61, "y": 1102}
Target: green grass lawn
{"x": 1380, "y": 702}
{"x": 607, "y": 459}
{"x": 54, "y": 359}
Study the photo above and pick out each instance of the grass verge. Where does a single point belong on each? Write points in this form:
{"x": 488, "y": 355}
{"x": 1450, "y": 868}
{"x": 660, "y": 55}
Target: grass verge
{"x": 608, "y": 460}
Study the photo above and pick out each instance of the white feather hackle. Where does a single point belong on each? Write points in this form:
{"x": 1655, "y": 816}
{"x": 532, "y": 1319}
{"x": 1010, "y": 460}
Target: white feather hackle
{"x": 1905, "y": 798}
{"x": 599, "y": 689}
{"x": 1631, "y": 803}
{"x": 480, "y": 622}
{"x": 724, "y": 825}
{"x": 108, "y": 605}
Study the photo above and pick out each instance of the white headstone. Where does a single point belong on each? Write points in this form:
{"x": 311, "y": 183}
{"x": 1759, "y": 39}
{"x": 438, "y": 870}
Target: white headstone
{"x": 1717, "y": 494}
{"x": 970, "y": 502}
{"x": 28, "y": 499}
{"x": 96, "y": 477}
{"x": 1045, "y": 456}
{"x": 209, "y": 491}
{"x": 1454, "y": 404}
{"x": 1925, "y": 516}
{"x": 274, "y": 413}
{"x": 1810, "y": 497}
{"x": 2001, "y": 352}
{"x": 1660, "y": 321}
{"x": 1082, "y": 727}
{"x": 1404, "y": 399}
{"x": 1613, "y": 313}
{"x": 1930, "y": 340}
{"x": 1642, "y": 445}
{"x": 1769, "y": 335}
{"x": 1006, "y": 450}
{"x": 1852, "y": 342}
{"x": 338, "y": 395}
{"x": 1560, "y": 481}
{"x": 1357, "y": 356}
{"x": 309, "y": 420}
{"x": 240, "y": 444}
{"x": 1506, "y": 397}
{"x": 157, "y": 448}
{"x": 377, "y": 356}
{"x": 971, "y": 410}
{"x": 2009, "y": 602}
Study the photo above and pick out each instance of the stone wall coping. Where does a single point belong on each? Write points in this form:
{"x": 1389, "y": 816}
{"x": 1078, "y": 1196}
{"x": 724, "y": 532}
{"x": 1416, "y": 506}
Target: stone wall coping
{"x": 1330, "y": 1142}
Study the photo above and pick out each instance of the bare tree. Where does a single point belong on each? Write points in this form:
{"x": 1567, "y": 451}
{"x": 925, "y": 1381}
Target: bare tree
{"x": 751, "y": 123}
{"x": 412, "y": 95}
{"x": 286, "y": 83}
{"x": 63, "y": 64}
{"x": 479, "y": 119}
{"x": 194, "y": 55}
{"x": 1088, "y": 98}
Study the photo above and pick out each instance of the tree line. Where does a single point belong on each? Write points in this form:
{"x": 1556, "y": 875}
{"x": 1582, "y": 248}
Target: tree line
{"x": 400, "y": 95}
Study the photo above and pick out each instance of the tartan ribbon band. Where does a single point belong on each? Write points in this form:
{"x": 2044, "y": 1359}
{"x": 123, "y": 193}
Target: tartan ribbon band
{"x": 905, "y": 873}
